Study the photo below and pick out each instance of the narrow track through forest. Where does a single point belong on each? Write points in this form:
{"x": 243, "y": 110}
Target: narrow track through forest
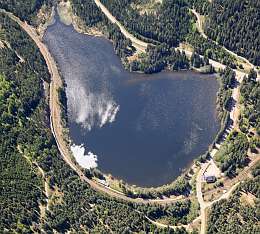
{"x": 57, "y": 127}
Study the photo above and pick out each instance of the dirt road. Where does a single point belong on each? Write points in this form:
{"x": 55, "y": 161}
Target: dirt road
{"x": 204, "y": 205}
{"x": 57, "y": 128}
{"x": 199, "y": 193}
{"x": 167, "y": 226}
{"x": 138, "y": 44}
{"x": 141, "y": 45}
{"x": 199, "y": 25}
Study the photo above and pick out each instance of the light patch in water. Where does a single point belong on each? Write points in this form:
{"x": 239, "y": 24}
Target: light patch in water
{"x": 109, "y": 114}
{"x": 91, "y": 109}
{"x": 88, "y": 160}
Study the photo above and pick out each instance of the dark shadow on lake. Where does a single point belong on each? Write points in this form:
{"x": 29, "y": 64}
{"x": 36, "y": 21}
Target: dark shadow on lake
{"x": 144, "y": 128}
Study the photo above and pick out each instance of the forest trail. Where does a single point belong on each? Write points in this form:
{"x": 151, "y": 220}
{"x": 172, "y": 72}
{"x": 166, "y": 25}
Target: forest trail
{"x": 205, "y": 205}
{"x": 200, "y": 28}
{"x": 138, "y": 44}
{"x": 43, "y": 208}
{"x": 46, "y": 185}
{"x": 57, "y": 127}
{"x": 158, "y": 224}
{"x": 199, "y": 23}
{"x": 141, "y": 45}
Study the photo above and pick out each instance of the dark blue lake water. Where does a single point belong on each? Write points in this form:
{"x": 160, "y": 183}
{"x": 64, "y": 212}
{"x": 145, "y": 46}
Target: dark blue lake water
{"x": 144, "y": 129}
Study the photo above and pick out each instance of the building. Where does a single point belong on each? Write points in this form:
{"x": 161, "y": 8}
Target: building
{"x": 103, "y": 182}
{"x": 210, "y": 179}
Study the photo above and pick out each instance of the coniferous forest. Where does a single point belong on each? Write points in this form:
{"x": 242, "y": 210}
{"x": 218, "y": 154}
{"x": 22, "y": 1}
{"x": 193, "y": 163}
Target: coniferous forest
{"x": 240, "y": 213}
{"x": 39, "y": 192}
{"x": 236, "y": 25}
{"x": 30, "y": 158}
{"x": 25, "y": 10}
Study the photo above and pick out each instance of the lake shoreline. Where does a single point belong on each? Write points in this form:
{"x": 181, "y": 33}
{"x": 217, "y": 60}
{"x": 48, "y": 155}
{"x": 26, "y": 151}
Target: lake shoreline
{"x": 186, "y": 168}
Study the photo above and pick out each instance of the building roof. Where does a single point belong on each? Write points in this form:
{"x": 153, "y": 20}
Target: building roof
{"x": 210, "y": 178}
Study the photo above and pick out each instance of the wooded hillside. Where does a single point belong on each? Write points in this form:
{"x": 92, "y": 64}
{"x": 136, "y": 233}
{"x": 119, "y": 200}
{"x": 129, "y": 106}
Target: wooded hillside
{"x": 236, "y": 25}
{"x": 30, "y": 158}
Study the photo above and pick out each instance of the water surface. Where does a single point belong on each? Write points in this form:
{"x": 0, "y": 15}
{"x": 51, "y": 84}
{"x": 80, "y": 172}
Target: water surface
{"x": 144, "y": 129}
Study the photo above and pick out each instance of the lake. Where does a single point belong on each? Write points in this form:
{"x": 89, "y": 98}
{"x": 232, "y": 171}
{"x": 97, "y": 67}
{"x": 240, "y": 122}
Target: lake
{"x": 144, "y": 129}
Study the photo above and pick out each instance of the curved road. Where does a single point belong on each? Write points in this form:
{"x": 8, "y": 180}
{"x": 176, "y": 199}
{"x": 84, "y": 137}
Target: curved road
{"x": 234, "y": 114}
{"x": 138, "y": 44}
{"x": 202, "y": 32}
{"x": 199, "y": 23}
{"x": 57, "y": 128}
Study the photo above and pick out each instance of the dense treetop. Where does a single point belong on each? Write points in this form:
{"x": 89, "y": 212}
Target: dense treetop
{"x": 236, "y": 25}
{"x": 24, "y": 9}
{"x": 233, "y": 153}
{"x": 169, "y": 23}
{"x": 250, "y": 99}
{"x": 240, "y": 213}
{"x": 27, "y": 144}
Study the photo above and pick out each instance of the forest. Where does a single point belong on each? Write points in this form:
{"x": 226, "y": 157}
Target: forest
{"x": 225, "y": 101}
{"x": 240, "y": 213}
{"x": 236, "y": 25}
{"x": 27, "y": 147}
{"x": 227, "y": 82}
{"x": 233, "y": 24}
{"x": 250, "y": 99}
{"x": 159, "y": 58}
{"x": 21, "y": 187}
{"x": 179, "y": 213}
{"x": 26, "y": 9}
{"x": 27, "y": 144}
{"x": 201, "y": 6}
{"x": 169, "y": 23}
{"x": 91, "y": 15}
{"x": 210, "y": 50}
{"x": 232, "y": 155}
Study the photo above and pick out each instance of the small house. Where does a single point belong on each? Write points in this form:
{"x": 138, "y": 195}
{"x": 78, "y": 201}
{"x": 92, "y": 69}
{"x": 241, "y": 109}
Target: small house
{"x": 103, "y": 182}
{"x": 210, "y": 179}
